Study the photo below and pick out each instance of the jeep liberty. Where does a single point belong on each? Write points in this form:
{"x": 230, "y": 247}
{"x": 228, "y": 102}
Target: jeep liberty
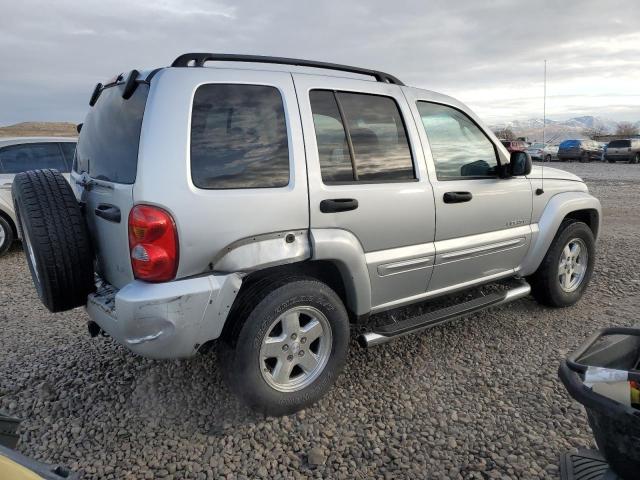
{"x": 270, "y": 206}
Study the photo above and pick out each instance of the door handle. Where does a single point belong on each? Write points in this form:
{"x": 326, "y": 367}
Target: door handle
{"x": 338, "y": 205}
{"x": 109, "y": 212}
{"x": 457, "y": 197}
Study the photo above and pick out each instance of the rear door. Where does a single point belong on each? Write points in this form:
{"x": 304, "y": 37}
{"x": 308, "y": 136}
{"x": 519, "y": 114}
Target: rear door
{"x": 104, "y": 173}
{"x": 367, "y": 178}
{"x": 482, "y": 221}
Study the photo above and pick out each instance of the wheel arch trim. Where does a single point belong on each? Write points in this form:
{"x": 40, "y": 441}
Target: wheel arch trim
{"x": 344, "y": 250}
{"x": 558, "y": 208}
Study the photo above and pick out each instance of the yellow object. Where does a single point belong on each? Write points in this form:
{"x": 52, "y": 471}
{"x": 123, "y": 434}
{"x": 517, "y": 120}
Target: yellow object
{"x": 10, "y": 470}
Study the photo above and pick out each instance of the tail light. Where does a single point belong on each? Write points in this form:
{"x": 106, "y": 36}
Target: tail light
{"x": 153, "y": 244}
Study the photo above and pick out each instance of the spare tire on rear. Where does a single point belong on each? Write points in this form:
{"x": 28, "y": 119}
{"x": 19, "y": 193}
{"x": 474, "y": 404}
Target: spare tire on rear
{"x": 55, "y": 239}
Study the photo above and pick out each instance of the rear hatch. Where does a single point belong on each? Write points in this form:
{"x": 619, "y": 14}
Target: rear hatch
{"x": 619, "y": 147}
{"x": 104, "y": 173}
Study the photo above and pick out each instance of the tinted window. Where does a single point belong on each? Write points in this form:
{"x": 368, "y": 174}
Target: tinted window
{"x": 32, "y": 156}
{"x": 110, "y": 136}
{"x": 620, "y": 144}
{"x": 377, "y": 133}
{"x": 459, "y": 148}
{"x": 239, "y": 137}
{"x": 333, "y": 150}
{"x": 68, "y": 149}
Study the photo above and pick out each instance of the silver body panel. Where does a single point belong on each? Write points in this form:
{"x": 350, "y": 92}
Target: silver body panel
{"x": 403, "y": 243}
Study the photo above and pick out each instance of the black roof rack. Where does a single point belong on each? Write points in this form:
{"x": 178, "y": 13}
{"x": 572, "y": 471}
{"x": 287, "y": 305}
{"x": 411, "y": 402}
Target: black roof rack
{"x": 199, "y": 59}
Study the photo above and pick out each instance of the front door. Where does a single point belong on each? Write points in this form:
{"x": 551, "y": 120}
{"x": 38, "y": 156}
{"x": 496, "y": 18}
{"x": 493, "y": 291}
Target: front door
{"x": 367, "y": 179}
{"x": 483, "y": 221}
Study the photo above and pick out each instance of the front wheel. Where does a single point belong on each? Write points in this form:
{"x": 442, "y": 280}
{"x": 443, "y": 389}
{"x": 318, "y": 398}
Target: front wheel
{"x": 566, "y": 269}
{"x": 547, "y": 158}
{"x": 287, "y": 345}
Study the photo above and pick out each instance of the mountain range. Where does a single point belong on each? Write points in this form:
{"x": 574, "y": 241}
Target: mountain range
{"x": 558, "y": 130}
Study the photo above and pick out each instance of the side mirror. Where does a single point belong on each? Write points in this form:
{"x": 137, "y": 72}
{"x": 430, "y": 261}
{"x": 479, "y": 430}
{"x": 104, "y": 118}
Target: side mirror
{"x": 519, "y": 164}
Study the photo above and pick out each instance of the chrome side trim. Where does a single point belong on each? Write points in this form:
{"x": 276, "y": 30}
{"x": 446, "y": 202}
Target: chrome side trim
{"x": 484, "y": 249}
{"x": 442, "y": 291}
{"x": 404, "y": 266}
{"x": 480, "y": 244}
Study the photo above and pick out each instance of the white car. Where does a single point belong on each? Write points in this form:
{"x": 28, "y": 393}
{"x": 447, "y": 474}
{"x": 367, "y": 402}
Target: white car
{"x": 19, "y": 154}
{"x": 543, "y": 152}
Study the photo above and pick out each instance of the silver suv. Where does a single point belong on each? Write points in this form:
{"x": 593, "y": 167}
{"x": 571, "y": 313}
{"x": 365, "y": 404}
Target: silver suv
{"x": 19, "y": 154}
{"x": 270, "y": 204}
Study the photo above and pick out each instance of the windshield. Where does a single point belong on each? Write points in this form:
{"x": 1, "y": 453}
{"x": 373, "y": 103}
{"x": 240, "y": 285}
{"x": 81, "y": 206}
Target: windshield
{"x": 108, "y": 143}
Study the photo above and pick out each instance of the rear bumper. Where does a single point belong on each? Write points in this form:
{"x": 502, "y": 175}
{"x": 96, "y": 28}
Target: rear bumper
{"x": 164, "y": 320}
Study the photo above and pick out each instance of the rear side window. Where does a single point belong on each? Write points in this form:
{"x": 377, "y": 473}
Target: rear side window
{"x": 110, "y": 136}
{"x": 32, "y": 156}
{"x": 239, "y": 137}
{"x": 620, "y": 144}
{"x": 360, "y": 137}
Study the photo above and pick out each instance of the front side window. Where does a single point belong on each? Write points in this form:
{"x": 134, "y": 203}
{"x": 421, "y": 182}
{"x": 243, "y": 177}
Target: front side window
{"x": 458, "y": 146}
{"x": 32, "y": 156}
{"x": 361, "y": 137}
{"x": 238, "y": 137}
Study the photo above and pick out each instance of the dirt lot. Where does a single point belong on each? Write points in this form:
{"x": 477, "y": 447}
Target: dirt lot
{"x": 477, "y": 398}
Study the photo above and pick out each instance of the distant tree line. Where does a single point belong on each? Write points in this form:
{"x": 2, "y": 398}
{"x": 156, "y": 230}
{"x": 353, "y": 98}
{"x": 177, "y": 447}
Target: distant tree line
{"x": 623, "y": 129}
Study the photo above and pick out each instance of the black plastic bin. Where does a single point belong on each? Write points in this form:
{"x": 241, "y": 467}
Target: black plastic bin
{"x": 616, "y": 427}
{"x": 9, "y": 430}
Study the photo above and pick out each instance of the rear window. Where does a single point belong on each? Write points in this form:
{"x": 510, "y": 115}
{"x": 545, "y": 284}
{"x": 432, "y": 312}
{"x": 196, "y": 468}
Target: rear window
{"x": 620, "y": 144}
{"x": 570, "y": 144}
{"x": 110, "y": 136}
{"x": 31, "y": 156}
{"x": 239, "y": 137}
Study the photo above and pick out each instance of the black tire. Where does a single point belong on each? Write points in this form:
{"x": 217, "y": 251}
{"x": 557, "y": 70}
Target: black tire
{"x": 545, "y": 284}
{"x": 585, "y": 158}
{"x": 547, "y": 158}
{"x": 55, "y": 239}
{"x": 635, "y": 159}
{"x": 6, "y": 236}
{"x": 258, "y": 306}
{"x": 610, "y": 160}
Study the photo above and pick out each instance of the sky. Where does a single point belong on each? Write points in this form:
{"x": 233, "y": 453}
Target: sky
{"x": 489, "y": 54}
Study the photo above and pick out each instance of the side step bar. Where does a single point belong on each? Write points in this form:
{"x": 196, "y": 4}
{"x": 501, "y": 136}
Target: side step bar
{"x": 385, "y": 333}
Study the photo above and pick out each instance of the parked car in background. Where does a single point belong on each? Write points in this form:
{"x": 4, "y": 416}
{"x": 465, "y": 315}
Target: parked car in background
{"x": 22, "y": 154}
{"x": 582, "y": 150}
{"x": 514, "y": 145}
{"x": 536, "y": 150}
{"x": 550, "y": 153}
{"x": 623, "y": 150}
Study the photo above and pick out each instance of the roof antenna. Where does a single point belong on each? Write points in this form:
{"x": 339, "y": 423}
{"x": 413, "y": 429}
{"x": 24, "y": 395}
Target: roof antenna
{"x": 540, "y": 190}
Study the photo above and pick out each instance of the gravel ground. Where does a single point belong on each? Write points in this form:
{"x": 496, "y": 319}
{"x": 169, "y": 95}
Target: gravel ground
{"x": 476, "y": 398}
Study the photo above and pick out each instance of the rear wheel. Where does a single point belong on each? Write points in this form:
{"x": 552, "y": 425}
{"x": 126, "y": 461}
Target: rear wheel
{"x": 286, "y": 346}
{"x": 547, "y": 158}
{"x": 635, "y": 159}
{"x": 566, "y": 269}
{"x": 6, "y": 236}
{"x": 55, "y": 239}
